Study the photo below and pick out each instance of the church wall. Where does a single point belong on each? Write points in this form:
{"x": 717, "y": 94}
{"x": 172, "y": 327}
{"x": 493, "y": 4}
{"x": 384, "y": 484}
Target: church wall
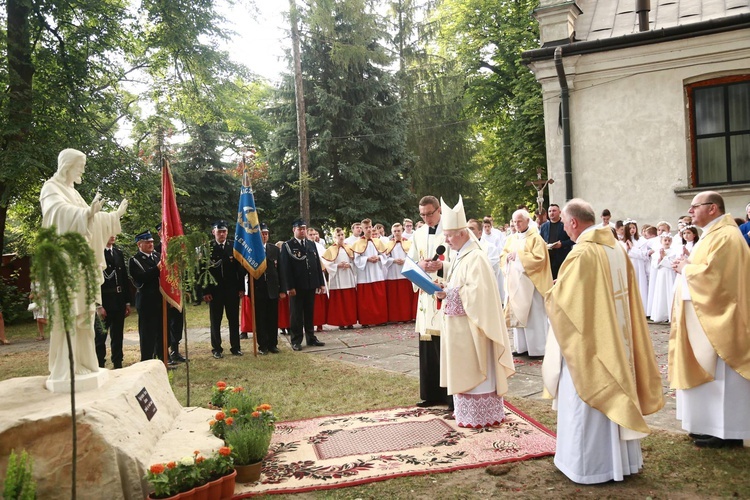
{"x": 629, "y": 124}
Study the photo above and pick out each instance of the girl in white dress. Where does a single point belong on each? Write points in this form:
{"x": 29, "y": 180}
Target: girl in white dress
{"x": 637, "y": 251}
{"x": 661, "y": 306}
{"x": 689, "y": 239}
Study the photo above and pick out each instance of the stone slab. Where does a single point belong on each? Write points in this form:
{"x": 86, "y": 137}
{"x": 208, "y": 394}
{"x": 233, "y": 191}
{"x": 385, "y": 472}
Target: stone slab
{"x": 116, "y": 440}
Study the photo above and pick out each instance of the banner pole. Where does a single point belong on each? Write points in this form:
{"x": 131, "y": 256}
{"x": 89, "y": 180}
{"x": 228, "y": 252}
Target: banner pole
{"x": 252, "y": 309}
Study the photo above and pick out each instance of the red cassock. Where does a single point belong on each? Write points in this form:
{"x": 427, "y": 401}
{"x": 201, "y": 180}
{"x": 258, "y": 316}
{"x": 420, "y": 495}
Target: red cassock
{"x": 372, "y": 308}
{"x": 342, "y": 307}
{"x": 284, "y": 317}
{"x": 400, "y": 300}
{"x": 319, "y": 313}
{"x": 246, "y": 315}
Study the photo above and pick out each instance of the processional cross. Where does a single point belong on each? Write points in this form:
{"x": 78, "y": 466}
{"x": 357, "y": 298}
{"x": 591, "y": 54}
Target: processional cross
{"x": 539, "y": 184}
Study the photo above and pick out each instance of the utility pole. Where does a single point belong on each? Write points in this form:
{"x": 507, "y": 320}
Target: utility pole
{"x": 304, "y": 187}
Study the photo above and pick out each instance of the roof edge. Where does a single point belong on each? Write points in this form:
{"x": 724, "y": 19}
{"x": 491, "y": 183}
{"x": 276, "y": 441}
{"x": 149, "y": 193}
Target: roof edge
{"x": 681, "y": 32}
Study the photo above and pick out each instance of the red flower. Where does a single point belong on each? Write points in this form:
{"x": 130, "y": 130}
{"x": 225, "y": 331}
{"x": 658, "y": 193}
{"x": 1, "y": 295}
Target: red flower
{"x": 230, "y": 421}
{"x": 157, "y": 468}
{"x": 225, "y": 451}
{"x": 265, "y": 407}
{"x": 234, "y": 411}
{"x": 238, "y": 389}
{"x": 197, "y": 452}
{"x": 256, "y": 414}
{"x": 171, "y": 465}
{"x": 220, "y": 416}
{"x": 212, "y": 423}
{"x": 221, "y": 384}
{"x": 199, "y": 459}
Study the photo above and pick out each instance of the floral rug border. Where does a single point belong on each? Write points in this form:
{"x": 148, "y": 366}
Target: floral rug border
{"x": 275, "y": 471}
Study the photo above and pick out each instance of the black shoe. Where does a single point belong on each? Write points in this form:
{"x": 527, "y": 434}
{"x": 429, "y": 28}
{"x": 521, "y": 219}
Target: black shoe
{"x": 714, "y": 442}
{"x": 350, "y": 327}
{"x": 699, "y": 436}
{"x": 274, "y": 350}
{"x": 427, "y": 404}
{"x": 243, "y": 336}
{"x": 118, "y": 366}
{"x": 172, "y": 364}
{"x": 342, "y": 328}
{"x": 261, "y": 352}
{"x": 177, "y": 357}
{"x": 316, "y": 343}
{"x": 536, "y": 357}
{"x": 218, "y": 355}
{"x": 237, "y": 353}
{"x": 524, "y": 353}
{"x": 296, "y": 347}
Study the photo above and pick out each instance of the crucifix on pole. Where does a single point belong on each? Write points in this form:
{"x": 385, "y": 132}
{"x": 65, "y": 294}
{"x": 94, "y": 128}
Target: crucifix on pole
{"x": 539, "y": 184}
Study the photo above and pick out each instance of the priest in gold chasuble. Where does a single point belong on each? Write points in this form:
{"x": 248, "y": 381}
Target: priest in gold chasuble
{"x": 600, "y": 365}
{"x": 528, "y": 276}
{"x": 709, "y": 341}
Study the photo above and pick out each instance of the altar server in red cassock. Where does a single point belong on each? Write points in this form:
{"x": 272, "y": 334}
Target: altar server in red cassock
{"x": 369, "y": 259}
{"x": 338, "y": 260}
{"x": 399, "y": 290}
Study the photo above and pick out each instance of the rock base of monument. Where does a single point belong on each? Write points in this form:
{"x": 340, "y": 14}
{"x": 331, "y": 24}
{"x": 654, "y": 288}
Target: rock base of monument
{"x": 132, "y": 421}
{"x": 87, "y": 382}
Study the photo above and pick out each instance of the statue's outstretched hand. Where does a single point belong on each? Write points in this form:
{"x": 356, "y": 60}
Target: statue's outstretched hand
{"x": 122, "y": 208}
{"x": 96, "y": 205}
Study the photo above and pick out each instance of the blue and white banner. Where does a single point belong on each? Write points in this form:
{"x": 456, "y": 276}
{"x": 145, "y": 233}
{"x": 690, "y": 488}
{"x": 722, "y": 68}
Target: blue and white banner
{"x": 248, "y": 243}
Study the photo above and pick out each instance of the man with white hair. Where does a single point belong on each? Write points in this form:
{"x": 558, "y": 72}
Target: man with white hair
{"x": 528, "y": 277}
{"x": 600, "y": 364}
{"x": 475, "y": 360}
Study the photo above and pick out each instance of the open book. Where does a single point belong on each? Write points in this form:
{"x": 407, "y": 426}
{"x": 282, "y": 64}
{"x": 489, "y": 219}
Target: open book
{"x": 414, "y": 273}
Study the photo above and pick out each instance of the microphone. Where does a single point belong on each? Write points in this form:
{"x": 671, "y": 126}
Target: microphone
{"x": 440, "y": 250}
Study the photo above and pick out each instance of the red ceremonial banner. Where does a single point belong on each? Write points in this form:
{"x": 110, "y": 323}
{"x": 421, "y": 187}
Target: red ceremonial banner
{"x": 171, "y": 226}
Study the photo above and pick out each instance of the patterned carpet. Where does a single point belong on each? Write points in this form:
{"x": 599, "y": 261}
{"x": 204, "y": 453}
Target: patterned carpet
{"x": 348, "y": 450}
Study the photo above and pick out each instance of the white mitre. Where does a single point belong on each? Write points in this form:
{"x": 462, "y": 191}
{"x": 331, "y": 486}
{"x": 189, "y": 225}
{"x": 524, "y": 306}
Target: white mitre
{"x": 453, "y": 218}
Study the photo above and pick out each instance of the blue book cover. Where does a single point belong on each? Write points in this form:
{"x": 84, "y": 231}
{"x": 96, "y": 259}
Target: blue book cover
{"x": 416, "y": 275}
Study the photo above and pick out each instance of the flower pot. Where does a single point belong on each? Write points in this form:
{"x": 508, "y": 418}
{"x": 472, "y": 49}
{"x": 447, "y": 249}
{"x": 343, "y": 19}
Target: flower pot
{"x": 187, "y": 495}
{"x": 227, "y": 487}
{"x": 201, "y": 492}
{"x": 178, "y": 496}
{"x": 248, "y": 473}
{"x": 214, "y": 489}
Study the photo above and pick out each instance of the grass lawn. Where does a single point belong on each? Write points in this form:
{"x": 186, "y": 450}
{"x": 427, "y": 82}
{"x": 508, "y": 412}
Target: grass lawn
{"x": 303, "y": 385}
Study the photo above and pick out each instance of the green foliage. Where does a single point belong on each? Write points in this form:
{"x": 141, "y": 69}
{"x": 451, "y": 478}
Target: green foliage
{"x": 488, "y": 38}
{"x": 63, "y": 265}
{"x": 184, "y": 261}
{"x": 19, "y": 480}
{"x": 356, "y": 137}
{"x": 440, "y": 134}
{"x": 12, "y": 301}
{"x": 250, "y": 439}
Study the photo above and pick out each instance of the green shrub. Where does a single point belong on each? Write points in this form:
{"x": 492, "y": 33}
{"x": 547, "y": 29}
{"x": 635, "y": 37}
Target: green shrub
{"x": 19, "y": 481}
{"x": 13, "y": 302}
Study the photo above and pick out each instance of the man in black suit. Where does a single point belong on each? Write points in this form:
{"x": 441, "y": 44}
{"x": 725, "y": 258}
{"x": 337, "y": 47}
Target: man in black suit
{"x": 115, "y": 306}
{"x": 267, "y": 295}
{"x": 301, "y": 277}
{"x": 559, "y": 243}
{"x": 144, "y": 271}
{"x": 175, "y": 318}
{"x": 224, "y": 295}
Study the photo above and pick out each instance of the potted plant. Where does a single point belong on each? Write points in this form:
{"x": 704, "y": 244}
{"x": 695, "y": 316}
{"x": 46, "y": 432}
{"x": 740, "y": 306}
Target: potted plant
{"x": 182, "y": 479}
{"x": 249, "y": 438}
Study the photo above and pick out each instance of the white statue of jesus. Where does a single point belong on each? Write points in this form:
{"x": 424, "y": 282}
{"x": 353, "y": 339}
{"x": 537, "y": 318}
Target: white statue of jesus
{"x": 64, "y": 208}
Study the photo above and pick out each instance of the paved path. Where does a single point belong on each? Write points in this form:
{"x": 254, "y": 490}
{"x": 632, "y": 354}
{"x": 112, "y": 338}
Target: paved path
{"x": 394, "y": 348}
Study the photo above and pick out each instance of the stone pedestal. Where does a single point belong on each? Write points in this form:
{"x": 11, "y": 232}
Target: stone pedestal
{"x": 117, "y": 441}
{"x": 86, "y": 382}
